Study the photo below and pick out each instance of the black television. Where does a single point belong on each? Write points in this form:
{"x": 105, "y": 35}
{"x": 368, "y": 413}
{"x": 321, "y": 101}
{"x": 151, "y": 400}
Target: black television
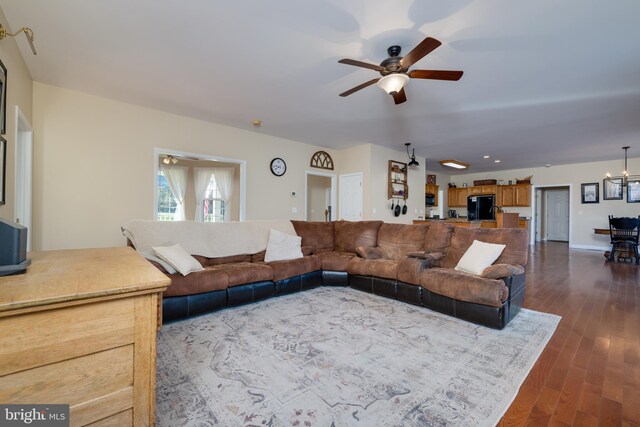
{"x": 13, "y": 248}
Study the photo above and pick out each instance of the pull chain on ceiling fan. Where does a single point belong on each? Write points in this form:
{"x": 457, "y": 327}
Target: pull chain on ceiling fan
{"x": 395, "y": 70}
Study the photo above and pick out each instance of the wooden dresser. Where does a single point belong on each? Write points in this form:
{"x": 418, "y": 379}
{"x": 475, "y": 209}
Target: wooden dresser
{"x": 79, "y": 328}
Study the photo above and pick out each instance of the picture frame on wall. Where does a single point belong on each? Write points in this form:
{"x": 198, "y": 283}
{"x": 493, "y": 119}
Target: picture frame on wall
{"x": 590, "y": 193}
{"x": 633, "y": 191}
{"x": 3, "y": 169}
{"x": 3, "y": 99}
{"x": 612, "y": 189}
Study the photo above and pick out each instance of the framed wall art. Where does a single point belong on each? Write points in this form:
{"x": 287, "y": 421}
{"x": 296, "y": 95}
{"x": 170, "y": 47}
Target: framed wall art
{"x": 591, "y": 193}
{"x": 3, "y": 99}
{"x": 612, "y": 189}
{"x": 3, "y": 169}
{"x": 633, "y": 191}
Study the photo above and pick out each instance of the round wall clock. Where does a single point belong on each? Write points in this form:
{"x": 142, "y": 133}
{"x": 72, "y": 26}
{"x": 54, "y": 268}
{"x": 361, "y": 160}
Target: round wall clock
{"x": 278, "y": 166}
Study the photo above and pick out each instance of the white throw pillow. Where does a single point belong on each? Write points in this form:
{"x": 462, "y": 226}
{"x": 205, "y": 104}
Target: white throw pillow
{"x": 479, "y": 256}
{"x": 282, "y": 246}
{"x": 180, "y": 259}
{"x": 151, "y": 256}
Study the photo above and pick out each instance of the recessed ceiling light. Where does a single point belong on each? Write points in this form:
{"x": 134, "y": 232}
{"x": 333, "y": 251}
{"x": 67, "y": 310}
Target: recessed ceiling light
{"x": 257, "y": 123}
{"x": 485, "y": 157}
{"x": 547, "y": 166}
{"x": 496, "y": 161}
{"x": 456, "y": 164}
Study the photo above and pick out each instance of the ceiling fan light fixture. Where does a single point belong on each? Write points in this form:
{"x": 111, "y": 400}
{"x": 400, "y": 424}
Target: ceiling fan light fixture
{"x": 393, "y": 83}
{"x": 456, "y": 164}
{"x": 169, "y": 160}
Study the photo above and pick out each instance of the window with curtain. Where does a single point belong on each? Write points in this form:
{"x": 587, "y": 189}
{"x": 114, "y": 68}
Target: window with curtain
{"x": 175, "y": 178}
{"x": 213, "y": 205}
{"x": 166, "y": 202}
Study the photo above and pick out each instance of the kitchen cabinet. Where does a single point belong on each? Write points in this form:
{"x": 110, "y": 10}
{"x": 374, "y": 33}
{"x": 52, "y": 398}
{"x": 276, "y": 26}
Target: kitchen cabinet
{"x": 522, "y": 223}
{"x": 432, "y": 189}
{"x": 458, "y": 197}
{"x": 508, "y": 195}
{"x": 523, "y": 195}
{"x": 481, "y": 190}
{"x": 518, "y": 195}
{"x": 514, "y": 195}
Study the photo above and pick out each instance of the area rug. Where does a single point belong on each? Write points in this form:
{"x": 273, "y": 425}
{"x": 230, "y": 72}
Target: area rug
{"x": 342, "y": 357}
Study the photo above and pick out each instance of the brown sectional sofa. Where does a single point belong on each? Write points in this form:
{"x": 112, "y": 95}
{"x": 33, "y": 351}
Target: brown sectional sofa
{"x": 411, "y": 263}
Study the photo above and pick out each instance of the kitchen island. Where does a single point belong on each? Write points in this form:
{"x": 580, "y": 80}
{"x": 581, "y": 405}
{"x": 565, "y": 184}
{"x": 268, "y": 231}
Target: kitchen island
{"x": 463, "y": 222}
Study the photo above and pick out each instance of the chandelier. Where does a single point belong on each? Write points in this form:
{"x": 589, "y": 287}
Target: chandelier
{"x": 625, "y": 177}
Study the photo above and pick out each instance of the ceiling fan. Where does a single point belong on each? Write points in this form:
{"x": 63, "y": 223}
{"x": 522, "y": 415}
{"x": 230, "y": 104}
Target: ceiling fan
{"x": 395, "y": 70}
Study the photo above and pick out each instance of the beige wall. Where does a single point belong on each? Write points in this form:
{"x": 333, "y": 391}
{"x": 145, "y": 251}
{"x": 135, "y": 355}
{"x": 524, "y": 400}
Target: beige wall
{"x": 19, "y": 92}
{"x": 583, "y": 217}
{"x": 94, "y": 161}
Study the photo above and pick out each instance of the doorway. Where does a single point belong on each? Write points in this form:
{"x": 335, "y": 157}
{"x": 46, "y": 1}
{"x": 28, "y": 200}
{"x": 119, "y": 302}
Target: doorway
{"x": 24, "y": 168}
{"x": 320, "y": 196}
{"x": 552, "y": 213}
{"x": 351, "y": 199}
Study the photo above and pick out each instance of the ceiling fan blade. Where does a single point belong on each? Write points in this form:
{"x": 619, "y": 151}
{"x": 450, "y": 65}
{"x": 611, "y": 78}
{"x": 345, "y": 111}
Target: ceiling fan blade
{"x": 435, "y": 74}
{"x": 400, "y": 97}
{"x": 361, "y": 64}
{"x": 357, "y": 88}
{"x": 427, "y": 45}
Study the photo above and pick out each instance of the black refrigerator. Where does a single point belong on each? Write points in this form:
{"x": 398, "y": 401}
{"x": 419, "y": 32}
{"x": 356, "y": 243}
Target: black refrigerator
{"x": 481, "y": 207}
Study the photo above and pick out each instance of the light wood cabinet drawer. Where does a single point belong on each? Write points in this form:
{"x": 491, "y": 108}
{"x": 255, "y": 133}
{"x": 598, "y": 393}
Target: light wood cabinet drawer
{"x": 122, "y": 419}
{"x": 45, "y": 337}
{"x": 72, "y": 381}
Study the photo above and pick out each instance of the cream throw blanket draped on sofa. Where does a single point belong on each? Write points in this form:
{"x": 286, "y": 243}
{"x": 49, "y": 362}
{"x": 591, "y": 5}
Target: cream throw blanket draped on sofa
{"x": 210, "y": 239}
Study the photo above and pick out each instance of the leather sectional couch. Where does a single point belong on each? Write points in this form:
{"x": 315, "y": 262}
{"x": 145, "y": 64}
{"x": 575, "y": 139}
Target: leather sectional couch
{"x": 410, "y": 263}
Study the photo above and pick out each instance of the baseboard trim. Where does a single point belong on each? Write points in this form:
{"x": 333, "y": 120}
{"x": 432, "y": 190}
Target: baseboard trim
{"x": 590, "y": 247}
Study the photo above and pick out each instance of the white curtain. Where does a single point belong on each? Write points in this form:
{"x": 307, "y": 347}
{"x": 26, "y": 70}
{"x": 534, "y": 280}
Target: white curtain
{"x": 202, "y": 178}
{"x": 224, "y": 182}
{"x": 177, "y": 179}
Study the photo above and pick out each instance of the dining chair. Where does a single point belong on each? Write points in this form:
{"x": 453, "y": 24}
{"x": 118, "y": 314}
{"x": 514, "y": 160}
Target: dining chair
{"x": 624, "y": 232}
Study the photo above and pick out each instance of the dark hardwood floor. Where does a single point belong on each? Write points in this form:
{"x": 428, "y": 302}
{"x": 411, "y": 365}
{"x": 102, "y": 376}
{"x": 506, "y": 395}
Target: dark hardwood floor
{"x": 589, "y": 373}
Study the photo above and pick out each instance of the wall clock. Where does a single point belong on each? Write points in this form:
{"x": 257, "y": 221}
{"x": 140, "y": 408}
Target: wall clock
{"x": 278, "y": 166}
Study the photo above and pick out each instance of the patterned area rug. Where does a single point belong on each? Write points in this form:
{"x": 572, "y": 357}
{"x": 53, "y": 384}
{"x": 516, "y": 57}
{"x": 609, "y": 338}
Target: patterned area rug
{"x": 342, "y": 357}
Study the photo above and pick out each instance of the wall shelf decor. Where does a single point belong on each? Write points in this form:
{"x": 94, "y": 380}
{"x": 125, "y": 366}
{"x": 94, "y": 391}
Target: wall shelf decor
{"x": 397, "y": 187}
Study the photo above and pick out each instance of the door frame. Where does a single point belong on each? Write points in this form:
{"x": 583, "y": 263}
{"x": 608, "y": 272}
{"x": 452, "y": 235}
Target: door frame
{"x": 532, "y": 225}
{"x": 23, "y": 185}
{"x": 361, "y": 175}
{"x": 334, "y": 190}
{"x": 243, "y": 176}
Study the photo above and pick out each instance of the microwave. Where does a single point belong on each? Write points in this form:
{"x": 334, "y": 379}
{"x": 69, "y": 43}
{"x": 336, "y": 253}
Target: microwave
{"x": 429, "y": 199}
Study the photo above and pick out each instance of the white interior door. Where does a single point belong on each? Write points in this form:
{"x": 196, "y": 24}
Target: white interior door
{"x": 24, "y": 167}
{"x": 351, "y": 200}
{"x": 557, "y": 207}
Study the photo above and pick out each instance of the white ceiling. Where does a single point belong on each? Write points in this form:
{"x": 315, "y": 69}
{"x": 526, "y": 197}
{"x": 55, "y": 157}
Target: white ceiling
{"x": 545, "y": 81}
